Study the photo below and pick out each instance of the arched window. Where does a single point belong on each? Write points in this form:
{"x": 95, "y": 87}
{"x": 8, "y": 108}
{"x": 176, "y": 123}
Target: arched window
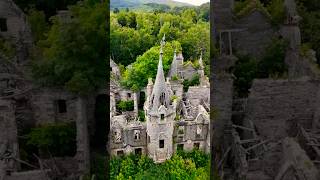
{"x": 162, "y": 98}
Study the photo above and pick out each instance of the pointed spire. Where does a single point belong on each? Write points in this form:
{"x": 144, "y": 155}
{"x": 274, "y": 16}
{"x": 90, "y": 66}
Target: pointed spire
{"x": 159, "y": 88}
{"x": 173, "y": 67}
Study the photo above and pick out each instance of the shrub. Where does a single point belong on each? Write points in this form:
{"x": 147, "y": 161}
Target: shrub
{"x": 195, "y": 80}
{"x": 277, "y": 11}
{"x": 245, "y": 71}
{"x": 141, "y": 115}
{"x": 125, "y": 105}
{"x": 273, "y": 61}
{"x": 58, "y": 139}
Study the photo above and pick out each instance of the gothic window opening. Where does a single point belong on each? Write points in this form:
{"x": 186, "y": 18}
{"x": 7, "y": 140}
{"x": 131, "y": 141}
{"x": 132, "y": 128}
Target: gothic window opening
{"x": 136, "y": 135}
{"x": 3, "y": 25}
{"x": 120, "y": 153}
{"x": 180, "y": 147}
{"x": 61, "y": 106}
{"x": 162, "y": 117}
{"x": 161, "y": 143}
{"x": 162, "y": 98}
{"x": 138, "y": 151}
{"x": 181, "y": 130}
{"x": 199, "y": 131}
{"x": 117, "y": 135}
{"x": 196, "y": 145}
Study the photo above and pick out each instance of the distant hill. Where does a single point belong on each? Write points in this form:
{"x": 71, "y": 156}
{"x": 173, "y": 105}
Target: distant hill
{"x": 136, "y": 4}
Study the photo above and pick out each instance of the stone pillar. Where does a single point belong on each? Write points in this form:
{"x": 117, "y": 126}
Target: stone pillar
{"x": 136, "y": 103}
{"x": 8, "y": 134}
{"x": 83, "y": 146}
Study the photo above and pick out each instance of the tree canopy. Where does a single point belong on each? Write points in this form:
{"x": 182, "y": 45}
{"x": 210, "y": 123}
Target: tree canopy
{"x": 73, "y": 53}
{"x": 135, "y": 36}
{"x": 182, "y": 166}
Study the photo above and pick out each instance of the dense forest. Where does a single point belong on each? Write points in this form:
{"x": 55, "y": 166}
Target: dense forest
{"x": 135, "y": 37}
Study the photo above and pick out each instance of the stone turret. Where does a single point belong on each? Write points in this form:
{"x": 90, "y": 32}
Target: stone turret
{"x": 160, "y": 117}
{"x": 160, "y": 93}
{"x": 174, "y": 66}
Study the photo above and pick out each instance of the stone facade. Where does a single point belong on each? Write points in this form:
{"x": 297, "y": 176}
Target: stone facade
{"x": 174, "y": 119}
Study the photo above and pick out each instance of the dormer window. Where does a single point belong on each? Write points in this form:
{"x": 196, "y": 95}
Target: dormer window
{"x": 162, "y": 117}
{"x": 3, "y": 25}
{"x": 136, "y": 135}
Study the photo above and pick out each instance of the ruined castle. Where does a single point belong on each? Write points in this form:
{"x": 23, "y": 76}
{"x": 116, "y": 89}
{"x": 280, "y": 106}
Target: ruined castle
{"x": 175, "y": 120}
{"x": 274, "y": 132}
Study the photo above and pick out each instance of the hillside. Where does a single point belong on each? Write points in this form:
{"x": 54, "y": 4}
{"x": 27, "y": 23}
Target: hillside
{"x": 120, "y": 4}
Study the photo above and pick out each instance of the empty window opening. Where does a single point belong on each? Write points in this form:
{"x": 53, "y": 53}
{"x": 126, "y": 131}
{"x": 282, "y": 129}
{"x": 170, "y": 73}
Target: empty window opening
{"x": 62, "y": 106}
{"x": 181, "y": 130}
{"x": 136, "y": 135}
{"x": 161, "y": 143}
{"x": 129, "y": 95}
{"x": 174, "y": 92}
{"x": 162, "y": 117}
{"x": 162, "y": 98}
{"x": 138, "y": 151}
{"x": 120, "y": 153}
{"x": 196, "y": 145}
{"x": 148, "y": 139}
{"x": 179, "y": 147}
{"x": 3, "y": 25}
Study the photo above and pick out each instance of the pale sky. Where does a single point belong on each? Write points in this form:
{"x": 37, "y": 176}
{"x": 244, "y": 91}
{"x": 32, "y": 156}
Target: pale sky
{"x": 194, "y": 2}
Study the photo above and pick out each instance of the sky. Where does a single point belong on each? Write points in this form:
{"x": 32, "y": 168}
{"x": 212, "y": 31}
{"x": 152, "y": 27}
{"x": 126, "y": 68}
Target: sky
{"x": 194, "y": 2}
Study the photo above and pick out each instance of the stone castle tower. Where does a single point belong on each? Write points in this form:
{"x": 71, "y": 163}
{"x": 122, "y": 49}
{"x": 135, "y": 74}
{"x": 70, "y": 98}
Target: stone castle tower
{"x": 160, "y": 112}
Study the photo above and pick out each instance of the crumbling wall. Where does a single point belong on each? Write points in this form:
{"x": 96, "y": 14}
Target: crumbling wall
{"x": 221, "y": 104}
{"x": 275, "y": 106}
{"x": 295, "y": 163}
{"x": 46, "y": 106}
{"x": 256, "y": 33}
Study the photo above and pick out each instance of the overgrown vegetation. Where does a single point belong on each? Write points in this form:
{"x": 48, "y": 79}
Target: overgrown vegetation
{"x": 272, "y": 65}
{"x": 141, "y": 115}
{"x": 72, "y": 53}
{"x": 273, "y": 9}
{"x": 310, "y": 24}
{"x": 125, "y": 105}
{"x": 195, "y": 80}
{"x": 7, "y": 48}
{"x": 58, "y": 139}
{"x": 183, "y": 165}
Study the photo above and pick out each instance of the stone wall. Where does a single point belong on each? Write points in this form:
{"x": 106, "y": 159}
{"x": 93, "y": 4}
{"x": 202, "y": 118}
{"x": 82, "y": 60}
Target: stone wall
{"x": 195, "y": 94}
{"x": 28, "y": 175}
{"x": 256, "y": 35}
{"x": 221, "y": 105}
{"x": 274, "y": 106}
{"x": 45, "y": 106}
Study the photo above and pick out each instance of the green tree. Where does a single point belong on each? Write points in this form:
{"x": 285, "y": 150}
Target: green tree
{"x": 136, "y": 76}
{"x": 74, "y": 52}
{"x": 38, "y": 23}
